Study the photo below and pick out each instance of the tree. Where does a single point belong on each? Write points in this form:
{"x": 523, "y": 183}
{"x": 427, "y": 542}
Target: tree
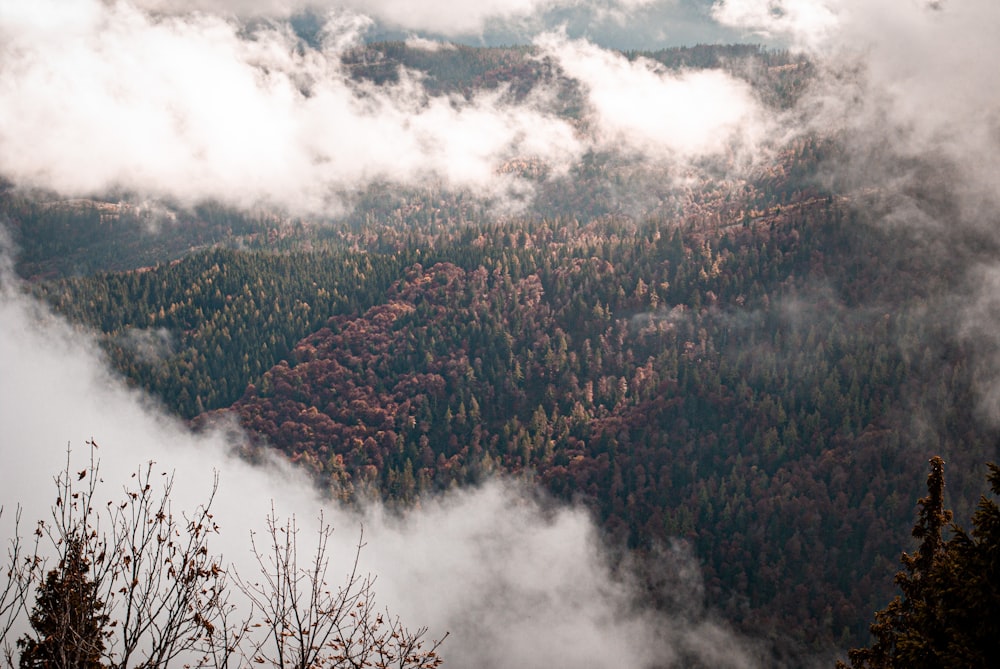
{"x": 133, "y": 583}
{"x": 21, "y": 566}
{"x": 969, "y": 583}
{"x": 68, "y": 620}
{"x": 948, "y": 613}
{"x": 899, "y": 627}
{"x": 311, "y": 625}
{"x": 136, "y": 586}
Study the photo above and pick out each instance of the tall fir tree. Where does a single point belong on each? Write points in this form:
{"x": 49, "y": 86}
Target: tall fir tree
{"x": 969, "y": 584}
{"x": 948, "y": 615}
{"x": 67, "y": 621}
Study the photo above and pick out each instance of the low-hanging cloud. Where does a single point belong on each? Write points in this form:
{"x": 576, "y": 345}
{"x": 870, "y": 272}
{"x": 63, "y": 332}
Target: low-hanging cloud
{"x": 803, "y": 22}
{"x": 192, "y": 107}
{"x": 915, "y": 77}
{"x": 440, "y": 17}
{"x": 639, "y": 107}
{"x": 909, "y": 90}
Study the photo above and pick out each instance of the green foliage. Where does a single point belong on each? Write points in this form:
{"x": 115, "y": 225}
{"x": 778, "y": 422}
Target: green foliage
{"x": 948, "y": 612}
{"x": 57, "y": 238}
{"x": 198, "y": 332}
{"x": 713, "y": 381}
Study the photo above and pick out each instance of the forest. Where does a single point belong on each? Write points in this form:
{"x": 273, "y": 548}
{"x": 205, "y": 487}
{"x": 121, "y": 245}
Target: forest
{"x": 737, "y": 365}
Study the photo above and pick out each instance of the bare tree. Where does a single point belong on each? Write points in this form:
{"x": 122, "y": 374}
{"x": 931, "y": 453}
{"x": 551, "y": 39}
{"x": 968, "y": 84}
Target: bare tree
{"x": 128, "y": 584}
{"x": 307, "y": 624}
{"x": 159, "y": 589}
{"x": 20, "y": 571}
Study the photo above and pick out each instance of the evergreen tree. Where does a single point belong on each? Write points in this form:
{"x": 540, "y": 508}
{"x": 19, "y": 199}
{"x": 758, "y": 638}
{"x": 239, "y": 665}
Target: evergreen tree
{"x": 921, "y": 639}
{"x": 67, "y": 618}
{"x": 948, "y": 615}
{"x": 970, "y": 588}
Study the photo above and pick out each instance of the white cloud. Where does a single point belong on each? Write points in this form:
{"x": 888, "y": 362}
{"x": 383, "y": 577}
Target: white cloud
{"x": 442, "y": 17}
{"x": 802, "y": 21}
{"x": 914, "y": 77}
{"x": 194, "y": 106}
{"x": 909, "y": 87}
{"x": 191, "y": 107}
{"x": 923, "y": 69}
{"x": 639, "y": 107}
{"x": 424, "y": 44}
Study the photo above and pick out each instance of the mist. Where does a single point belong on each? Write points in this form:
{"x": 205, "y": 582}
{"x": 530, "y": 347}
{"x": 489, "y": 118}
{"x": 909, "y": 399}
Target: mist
{"x": 908, "y": 90}
{"x": 100, "y": 97}
{"x": 625, "y": 24}
{"x": 638, "y": 107}
{"x": 193, "y": 108}
{"x": 910, "y": 80}
{"x": 195, "y": 101}
{"x": 187, "y": 101}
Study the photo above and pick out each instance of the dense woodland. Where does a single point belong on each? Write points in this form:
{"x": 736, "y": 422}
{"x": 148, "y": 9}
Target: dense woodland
{"x": 746, "y": 366}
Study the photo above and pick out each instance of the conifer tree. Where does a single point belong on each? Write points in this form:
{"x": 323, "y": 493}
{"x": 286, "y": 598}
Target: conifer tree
{"x": 948, "y": 615}
{"x": 67, "y": 620}
{"x": 902, "y": 629}
{"x": 969, "y": 584}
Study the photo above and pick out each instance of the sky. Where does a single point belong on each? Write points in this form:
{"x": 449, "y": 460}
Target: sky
{"x": 197, "y": 99}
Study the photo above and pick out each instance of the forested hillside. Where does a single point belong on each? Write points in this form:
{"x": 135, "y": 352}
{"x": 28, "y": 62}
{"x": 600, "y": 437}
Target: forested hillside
{"x": 745, "y": 365}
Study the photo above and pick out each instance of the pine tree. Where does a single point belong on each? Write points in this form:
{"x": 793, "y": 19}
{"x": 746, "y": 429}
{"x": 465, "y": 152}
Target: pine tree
{"x": 970, "y": 588}
{"x": 67, "y": 619}
{"x": 921, "y": 639}
{"x": 906, "y": 633}
{"x": 948, "y": 615}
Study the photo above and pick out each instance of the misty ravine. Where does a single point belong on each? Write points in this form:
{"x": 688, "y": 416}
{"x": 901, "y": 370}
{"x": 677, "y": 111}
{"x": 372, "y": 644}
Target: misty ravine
{"x": 613, "y": 347}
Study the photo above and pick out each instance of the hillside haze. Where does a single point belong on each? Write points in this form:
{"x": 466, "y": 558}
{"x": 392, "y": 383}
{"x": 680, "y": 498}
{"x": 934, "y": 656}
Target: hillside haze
{"x": 691, "y": 318}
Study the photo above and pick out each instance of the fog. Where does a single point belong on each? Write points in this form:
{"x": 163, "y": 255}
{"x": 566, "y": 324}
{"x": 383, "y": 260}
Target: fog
{"x": 192, "y": 106}
{"x": 626, "y": 24}
{"x": 189, "y": 101}
{"x": 909, "y": 90}
{"x": 640, "y": 108}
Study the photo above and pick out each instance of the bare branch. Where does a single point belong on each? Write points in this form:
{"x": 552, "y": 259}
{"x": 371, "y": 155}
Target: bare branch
{"x": 306, "y": 624}
{"x": 160, "y": 592}
{"x": 21, "y": 572}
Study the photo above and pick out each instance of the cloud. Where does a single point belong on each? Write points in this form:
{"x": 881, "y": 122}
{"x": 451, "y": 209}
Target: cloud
{"x": 438, "y": 16}
{"x": 197, "y": 106}
{"x": 424, "y": 44}
{"x": 639, "y": 107}
{"x": 802, "y": 21}
{"x": 97, "y": 96}
{"x": 908, "y": 88}
{"x": 911, "y": 80}
{"x": 544, "y": 599}
{"x": 918, "y": 73}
